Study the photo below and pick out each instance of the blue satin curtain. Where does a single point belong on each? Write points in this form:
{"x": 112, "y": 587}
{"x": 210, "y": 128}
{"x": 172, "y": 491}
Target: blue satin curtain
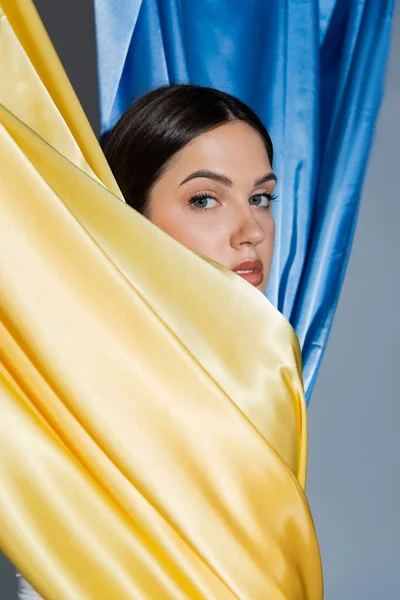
{"x": 313, "y": 71}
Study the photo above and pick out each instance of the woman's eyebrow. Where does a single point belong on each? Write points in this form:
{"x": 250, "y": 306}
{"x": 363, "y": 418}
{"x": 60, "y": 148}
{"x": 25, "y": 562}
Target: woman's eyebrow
{"x": 208, "y": 175}
{"x": 225, "y": 180}
{"x": 265, "y": 178}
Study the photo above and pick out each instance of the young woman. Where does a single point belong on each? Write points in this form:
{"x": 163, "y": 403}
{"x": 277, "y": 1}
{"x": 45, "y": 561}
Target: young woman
{"x": 198, "y": 163}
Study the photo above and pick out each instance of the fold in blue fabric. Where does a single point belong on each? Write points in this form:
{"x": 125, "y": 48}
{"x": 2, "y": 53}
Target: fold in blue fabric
{"x": 313, "y": 71}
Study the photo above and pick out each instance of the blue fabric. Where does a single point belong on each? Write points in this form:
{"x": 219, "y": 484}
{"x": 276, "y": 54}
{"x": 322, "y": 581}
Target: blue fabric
{"x": 313, "y": 72}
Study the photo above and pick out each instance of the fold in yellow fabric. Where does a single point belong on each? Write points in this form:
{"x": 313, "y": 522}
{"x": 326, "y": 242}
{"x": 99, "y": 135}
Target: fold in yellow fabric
{"x": 152, "y": 417}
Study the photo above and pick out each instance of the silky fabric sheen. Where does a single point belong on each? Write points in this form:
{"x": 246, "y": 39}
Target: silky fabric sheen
{"x": 313, "y": 72}
{"x": 153, "y": 438}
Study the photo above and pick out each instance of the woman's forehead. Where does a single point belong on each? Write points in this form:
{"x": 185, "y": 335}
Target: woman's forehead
{"x": 232, "y": 148}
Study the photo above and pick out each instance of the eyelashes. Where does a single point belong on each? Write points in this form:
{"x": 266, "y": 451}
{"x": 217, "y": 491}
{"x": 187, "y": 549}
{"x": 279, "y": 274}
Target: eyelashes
{"x": 206, "y": 196}
{"x": 271, "y": 198}
{"x": 199, "y": 197}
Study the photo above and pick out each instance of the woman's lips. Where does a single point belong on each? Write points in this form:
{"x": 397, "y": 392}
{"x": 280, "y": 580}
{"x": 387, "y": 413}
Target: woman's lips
{"x": 255, "y": 277}
{"x": 252, "y": 270}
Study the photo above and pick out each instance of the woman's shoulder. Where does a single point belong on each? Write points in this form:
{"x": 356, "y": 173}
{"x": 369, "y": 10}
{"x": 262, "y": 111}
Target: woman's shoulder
{"x": 25, "y": 590}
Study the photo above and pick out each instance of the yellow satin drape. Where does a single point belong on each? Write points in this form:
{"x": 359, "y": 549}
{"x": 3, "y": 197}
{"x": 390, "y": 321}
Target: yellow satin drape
{"x": 152, "y": 418}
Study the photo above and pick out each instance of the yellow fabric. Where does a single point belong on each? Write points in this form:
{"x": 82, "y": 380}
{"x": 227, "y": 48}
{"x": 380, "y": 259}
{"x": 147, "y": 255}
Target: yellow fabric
{"x": 152, "y": 418}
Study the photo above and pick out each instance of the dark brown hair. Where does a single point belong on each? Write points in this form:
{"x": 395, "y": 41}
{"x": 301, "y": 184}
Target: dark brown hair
{"x": 161, "y": 123}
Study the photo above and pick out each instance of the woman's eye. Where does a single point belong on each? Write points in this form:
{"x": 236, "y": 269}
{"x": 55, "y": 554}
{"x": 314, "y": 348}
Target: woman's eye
{"x": 203, "y": 202}
{"x": 263, "y": 200}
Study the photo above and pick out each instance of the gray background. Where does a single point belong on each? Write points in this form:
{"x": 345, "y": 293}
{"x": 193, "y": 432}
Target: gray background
{"x": 354, "y": 418}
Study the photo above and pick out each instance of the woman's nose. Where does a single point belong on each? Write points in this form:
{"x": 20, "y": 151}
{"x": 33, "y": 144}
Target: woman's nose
{"x": 246, "y": 229}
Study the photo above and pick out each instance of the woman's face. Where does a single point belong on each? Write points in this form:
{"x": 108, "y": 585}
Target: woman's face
{"x": 215, "y": 198}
